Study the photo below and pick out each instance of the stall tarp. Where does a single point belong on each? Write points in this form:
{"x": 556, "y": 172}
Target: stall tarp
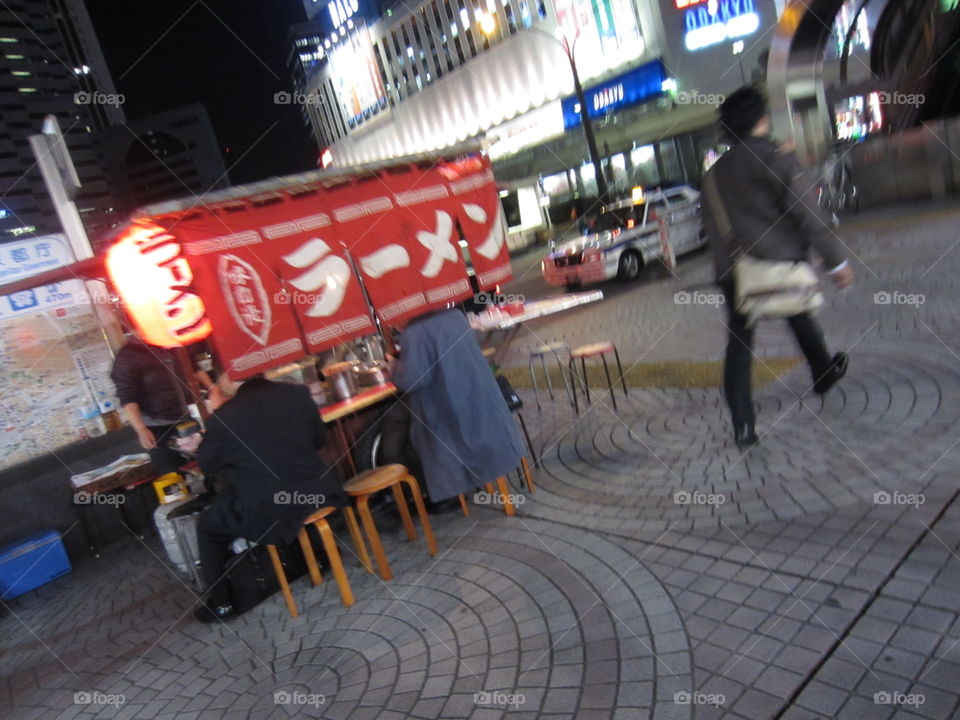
{"x": 275, "y": 283}
{"x": 480, "y": 213}
{"x": 403, "y": 234}
{"x": 277, "y": 271}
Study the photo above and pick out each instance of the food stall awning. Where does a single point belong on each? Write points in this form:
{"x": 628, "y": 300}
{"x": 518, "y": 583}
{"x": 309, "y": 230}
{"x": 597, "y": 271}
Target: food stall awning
{"x": 275, "y": 270}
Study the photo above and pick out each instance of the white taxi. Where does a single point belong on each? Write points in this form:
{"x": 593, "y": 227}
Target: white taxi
{"x": 626, "y": 237}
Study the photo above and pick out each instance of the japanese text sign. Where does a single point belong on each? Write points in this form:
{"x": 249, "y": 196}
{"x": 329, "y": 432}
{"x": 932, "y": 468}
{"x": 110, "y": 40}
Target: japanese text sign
{"x": 277, "y": 273}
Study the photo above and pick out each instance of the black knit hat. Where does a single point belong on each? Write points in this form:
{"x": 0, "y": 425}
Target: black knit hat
{"x": 740, "y": 113}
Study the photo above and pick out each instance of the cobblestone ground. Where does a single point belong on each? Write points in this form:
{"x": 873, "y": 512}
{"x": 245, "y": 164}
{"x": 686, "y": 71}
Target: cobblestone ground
{"x": 656, "y": 572}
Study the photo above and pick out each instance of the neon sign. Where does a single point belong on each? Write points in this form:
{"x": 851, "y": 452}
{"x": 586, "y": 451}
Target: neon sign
{"x": 630, "y": 88}
{"x": 714, "y": 21}
{"x": 342, "y": 10}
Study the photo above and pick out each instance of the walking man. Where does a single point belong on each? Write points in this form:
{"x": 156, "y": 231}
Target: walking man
{"x": 773, "y": 216}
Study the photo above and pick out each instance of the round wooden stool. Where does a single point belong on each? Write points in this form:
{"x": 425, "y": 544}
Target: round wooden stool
{"x": 366, "y": 484}
{"x": 504, "y": 489}
{"x": 597, "y": 349}
{"x": 319, "y": 520}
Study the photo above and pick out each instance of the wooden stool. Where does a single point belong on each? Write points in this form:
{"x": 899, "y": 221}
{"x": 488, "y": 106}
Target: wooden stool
{"x": 319, "y": 520}
{"x": 394, "y": 477}
{"x": 598, "y": 349}
{"x": 502, "y": 486}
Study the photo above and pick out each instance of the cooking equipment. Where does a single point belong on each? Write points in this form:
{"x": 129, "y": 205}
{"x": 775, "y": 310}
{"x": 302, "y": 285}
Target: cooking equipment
{"x": 370, "y": 374}
{"x": 342, "y": 380}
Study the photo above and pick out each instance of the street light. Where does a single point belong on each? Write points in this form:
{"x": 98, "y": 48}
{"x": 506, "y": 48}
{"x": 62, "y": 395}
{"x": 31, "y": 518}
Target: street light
{"x": 488, "y": 27}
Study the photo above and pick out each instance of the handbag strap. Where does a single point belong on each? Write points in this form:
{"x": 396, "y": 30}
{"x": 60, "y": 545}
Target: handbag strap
{"x": 717, "y": 207}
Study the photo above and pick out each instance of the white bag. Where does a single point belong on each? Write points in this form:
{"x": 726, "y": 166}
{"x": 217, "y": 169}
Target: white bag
{"x": 765, "y": 288}
{"x": 774, "y": 288}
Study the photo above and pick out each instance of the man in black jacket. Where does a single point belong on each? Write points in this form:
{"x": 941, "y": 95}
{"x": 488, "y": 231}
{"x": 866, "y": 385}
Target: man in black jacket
{"x": 151, "y": 395}
{"x": 774, "y": 217}
{"x": 265, "y": 439}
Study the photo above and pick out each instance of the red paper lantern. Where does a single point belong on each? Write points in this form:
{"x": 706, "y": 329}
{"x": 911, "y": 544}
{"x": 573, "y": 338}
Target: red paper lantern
{"x": 154, "y": 281}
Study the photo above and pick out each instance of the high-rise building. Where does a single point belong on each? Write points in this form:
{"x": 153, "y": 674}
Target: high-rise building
{"x": 51, "y": 64}
{"x": 167, "y": 155}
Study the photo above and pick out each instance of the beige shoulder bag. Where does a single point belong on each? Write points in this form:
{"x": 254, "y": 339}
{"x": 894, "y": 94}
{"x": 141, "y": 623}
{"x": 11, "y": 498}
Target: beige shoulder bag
{"x": 765, "y": 288}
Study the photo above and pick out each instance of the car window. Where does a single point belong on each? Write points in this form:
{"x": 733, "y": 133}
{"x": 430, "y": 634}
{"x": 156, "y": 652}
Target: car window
{"x": 608, "y": 221}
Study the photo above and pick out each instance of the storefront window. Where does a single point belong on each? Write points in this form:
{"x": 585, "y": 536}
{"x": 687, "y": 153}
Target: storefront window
{"x": 643, "y": 166}
{"x": 618, "y": 173}
{"x": 857, "y": 117}
{"x": 556, "y": 184}
{"x": 670, "y": 162}
{"x": 589, "y": 179}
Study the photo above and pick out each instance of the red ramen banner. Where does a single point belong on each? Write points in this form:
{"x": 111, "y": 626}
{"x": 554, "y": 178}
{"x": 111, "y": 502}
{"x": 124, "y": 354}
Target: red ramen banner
{"x": 272, "y": 274}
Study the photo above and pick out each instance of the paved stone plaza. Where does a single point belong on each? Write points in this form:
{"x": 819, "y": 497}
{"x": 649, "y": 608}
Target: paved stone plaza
{"x": 657, "y": 572}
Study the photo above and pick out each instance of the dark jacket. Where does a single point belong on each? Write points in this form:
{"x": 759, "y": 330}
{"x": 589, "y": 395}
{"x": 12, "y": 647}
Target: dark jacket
{"x": 147, "y": 375}
{"x": 462, "y": 429}
{"x": 267, "y": 437}
{"x": 772, "y": 207}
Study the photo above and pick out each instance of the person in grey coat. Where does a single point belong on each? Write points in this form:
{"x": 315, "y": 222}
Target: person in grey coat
{"x": 773, "y": 217}
{"x": 461, "y": 427}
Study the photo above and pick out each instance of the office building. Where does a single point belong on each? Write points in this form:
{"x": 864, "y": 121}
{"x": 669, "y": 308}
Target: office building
{"x": 163, "y": 156}
{"x": 51, "y": 64}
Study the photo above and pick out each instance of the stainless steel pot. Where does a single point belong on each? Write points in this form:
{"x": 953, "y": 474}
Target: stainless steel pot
{"x": 342, "y": 380}
{"x": 370, "y": 375}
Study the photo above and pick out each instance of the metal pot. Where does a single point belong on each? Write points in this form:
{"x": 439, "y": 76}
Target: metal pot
{"x": 342, "y": 380}
{"x": 370, "y": 375}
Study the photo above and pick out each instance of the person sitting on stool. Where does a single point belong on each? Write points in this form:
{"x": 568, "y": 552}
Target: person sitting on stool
{"x": 461, "y": 427}
{"x": 267, "y": 437}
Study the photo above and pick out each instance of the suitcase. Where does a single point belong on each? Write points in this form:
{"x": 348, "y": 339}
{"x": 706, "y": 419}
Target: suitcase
{"x": 176, "y": 524}
{"x": 32, "y": 562}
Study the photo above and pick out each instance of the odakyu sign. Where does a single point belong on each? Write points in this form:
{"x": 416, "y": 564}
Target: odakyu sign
{"x": 710, "y": 22}
{"x": 630, "y": 88}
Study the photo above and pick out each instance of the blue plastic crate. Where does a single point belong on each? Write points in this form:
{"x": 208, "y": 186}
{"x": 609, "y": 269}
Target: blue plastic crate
{"x": 31, "y": 563}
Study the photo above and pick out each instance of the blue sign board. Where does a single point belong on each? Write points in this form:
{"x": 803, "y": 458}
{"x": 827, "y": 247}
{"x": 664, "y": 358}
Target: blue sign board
{"x": 630, "y": 88}
{"x": 23, "y": 258}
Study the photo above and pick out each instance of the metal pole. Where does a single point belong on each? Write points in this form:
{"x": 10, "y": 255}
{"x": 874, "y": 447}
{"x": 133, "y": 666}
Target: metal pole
{"x": 588, "y": 128}
{"x": 60, "y": 177}
{"x": 43, "y": 150}
{"x": 371, "y": 310}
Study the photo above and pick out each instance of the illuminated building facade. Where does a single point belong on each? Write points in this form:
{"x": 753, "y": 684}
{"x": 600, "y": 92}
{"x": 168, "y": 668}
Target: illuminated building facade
{"x": 375, "y": 84}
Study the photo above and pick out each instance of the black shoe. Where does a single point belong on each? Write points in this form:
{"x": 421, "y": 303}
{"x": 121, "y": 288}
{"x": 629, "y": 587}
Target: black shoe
{"x": 745, "y": 438}
{"x": 837, "y": 369}
{"x": 206, "y": 614}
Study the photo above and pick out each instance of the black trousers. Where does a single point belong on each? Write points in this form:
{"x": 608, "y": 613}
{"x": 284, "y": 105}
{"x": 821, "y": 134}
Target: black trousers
{"x": 738, "y": 361}
{"x": 164, "y": 458}
{"x": 219, "y": 525}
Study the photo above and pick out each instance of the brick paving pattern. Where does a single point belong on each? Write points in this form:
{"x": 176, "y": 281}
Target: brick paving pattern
{"x": 656, "y": 573}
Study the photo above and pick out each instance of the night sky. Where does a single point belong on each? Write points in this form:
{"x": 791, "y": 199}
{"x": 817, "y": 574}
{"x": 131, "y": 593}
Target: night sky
{"x": 229, "y": 55}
